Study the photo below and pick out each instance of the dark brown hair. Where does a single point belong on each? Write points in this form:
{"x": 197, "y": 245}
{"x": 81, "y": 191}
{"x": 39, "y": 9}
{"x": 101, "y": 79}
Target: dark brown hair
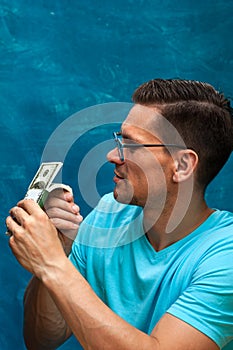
{"x": 201, "y": 115}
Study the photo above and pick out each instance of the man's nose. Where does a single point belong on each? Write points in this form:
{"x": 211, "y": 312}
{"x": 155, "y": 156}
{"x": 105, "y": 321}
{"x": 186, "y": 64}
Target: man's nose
{"x": 113, "y": 157}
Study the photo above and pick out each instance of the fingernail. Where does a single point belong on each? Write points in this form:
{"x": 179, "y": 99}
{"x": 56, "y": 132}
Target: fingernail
{"x": 75, "y": 209}
{"x": 68, "y": 196}
{"x": 8, "y": 233}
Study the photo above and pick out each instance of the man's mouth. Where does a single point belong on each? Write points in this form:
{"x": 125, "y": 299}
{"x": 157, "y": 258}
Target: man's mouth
{"x": 117, "y": 177}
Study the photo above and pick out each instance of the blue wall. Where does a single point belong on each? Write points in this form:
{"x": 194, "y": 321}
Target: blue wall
{"x": 60, "y": 56}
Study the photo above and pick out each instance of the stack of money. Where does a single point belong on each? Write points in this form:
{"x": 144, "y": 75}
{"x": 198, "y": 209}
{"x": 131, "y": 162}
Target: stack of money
{"x": 42, "y": 183}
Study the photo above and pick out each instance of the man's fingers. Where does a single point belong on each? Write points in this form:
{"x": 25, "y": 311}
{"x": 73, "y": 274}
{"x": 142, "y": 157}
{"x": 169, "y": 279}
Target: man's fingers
{"x": 68, "y": 196}
{"x": 29, "y": 205}
{"x": 61, "y": 194}
{"x": 19, "y": 215}
{"x": 12, "y": 226}
{"x": 58, "y": 213}
{"x": 55, "y": 202}
{"x": 63, "y": 225}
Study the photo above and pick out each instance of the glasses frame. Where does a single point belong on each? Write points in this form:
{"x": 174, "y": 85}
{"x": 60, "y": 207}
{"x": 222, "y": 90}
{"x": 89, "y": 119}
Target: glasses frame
{"x": 121, "y": 146}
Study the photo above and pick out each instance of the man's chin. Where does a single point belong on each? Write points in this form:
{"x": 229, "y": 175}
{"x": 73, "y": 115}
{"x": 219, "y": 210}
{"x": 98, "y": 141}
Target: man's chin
{"x": 123, "y": 197}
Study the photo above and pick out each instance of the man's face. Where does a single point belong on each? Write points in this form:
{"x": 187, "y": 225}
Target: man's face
{"x": 144, "y": 177}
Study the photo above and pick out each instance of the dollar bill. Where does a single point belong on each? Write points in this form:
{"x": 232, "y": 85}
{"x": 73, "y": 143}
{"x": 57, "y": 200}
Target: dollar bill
{"x": 45, "y": 175}
{"x": 42, "y": 183}
{"x": 39, "y": 186}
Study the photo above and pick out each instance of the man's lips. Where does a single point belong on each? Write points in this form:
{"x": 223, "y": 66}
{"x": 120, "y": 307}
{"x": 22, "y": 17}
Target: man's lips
{"x": 117, "y": 177}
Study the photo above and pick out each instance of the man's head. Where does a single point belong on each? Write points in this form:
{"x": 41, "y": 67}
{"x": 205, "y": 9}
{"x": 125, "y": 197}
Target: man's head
{"x": 187, "y": 114}
{"x": 201, "y": 115}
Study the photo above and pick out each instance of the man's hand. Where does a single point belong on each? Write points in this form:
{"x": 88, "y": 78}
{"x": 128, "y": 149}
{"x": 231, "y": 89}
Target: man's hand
{"x": 37, "y": 235}
{"x": 34, "y": 241}
{"x": 65, "y": 215}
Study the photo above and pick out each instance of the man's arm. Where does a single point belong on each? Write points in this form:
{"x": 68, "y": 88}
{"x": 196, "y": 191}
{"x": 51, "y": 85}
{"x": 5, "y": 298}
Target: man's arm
{"x": 97, "y": 327}
{"x": 44, "y": 326}
{"x": 36, "y": 246}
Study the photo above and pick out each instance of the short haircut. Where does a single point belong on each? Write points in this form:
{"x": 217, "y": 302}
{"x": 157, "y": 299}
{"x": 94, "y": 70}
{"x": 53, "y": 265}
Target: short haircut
{"x": 201, "y": 115}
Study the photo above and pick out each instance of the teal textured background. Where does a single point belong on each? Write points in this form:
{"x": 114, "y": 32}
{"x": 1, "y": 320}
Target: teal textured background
{"x": 60, "y": 56}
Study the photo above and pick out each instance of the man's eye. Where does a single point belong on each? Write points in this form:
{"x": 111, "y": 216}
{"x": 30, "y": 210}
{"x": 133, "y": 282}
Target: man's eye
{"x": 128, "y": 141}
{"x": 125, "y": 139}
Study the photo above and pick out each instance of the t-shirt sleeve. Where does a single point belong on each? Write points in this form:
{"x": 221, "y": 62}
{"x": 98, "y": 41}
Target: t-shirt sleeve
{"x": 207, "y": 304}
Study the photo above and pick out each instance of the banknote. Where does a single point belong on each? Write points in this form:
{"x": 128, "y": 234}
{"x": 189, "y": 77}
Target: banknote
{"x": 42, "y": 184}
{"x": 45, "y": 175}
{"x": 39, "y": 186}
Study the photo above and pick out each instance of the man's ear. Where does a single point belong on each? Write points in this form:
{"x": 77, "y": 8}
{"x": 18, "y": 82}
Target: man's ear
{"x": 185, "y": 163}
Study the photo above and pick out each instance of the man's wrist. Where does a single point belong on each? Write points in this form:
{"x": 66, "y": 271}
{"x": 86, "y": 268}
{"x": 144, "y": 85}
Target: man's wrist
{"x": 54, "y": 273}
{"x": 66, "y": 242}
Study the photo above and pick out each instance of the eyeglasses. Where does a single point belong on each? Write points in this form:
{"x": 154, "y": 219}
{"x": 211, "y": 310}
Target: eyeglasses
{"x": 121, "y": 146}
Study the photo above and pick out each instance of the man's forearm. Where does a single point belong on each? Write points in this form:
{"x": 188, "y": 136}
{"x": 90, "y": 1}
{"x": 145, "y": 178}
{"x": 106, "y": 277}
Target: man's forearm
{"x": 91, "y": 321}
{"x": 44, "y": 326}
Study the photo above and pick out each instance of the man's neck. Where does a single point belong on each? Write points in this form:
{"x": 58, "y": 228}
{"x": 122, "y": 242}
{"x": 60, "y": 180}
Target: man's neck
{"x": 168, "y": 228}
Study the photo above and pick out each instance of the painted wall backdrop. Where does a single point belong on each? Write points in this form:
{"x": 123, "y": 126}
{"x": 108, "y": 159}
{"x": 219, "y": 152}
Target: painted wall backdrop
{"x": 58, "y": 57}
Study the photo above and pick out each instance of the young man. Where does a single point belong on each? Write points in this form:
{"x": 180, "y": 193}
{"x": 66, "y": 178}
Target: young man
{"x": 155, "y": 274}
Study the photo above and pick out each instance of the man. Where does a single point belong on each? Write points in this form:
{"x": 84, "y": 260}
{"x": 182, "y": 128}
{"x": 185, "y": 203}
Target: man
{"x": 155, "y": 274}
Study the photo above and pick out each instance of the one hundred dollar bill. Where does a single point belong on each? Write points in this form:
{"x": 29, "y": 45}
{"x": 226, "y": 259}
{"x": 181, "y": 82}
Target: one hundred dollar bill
{"x": 39, "y": 186}
{"x": 45, "y": 175}
{"x": 42, "y": 183}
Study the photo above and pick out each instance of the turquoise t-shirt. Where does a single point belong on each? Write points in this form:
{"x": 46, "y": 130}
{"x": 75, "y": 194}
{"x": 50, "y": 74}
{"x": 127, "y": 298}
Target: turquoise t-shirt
{"x": 191, "y": 279}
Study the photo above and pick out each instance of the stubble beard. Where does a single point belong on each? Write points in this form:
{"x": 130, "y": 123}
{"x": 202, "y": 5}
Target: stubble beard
{"x": 124, "y": 193}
